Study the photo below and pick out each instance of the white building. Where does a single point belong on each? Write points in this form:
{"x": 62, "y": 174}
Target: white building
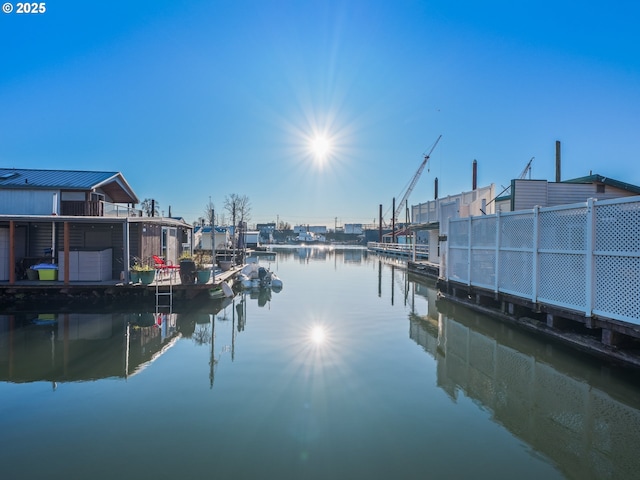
{"x": 353, "y": 228}
{"x": 302, "y": 229}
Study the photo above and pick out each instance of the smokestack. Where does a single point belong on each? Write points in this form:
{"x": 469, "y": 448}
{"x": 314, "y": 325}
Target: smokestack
{"x": 435, "y": 187}
{"x": 380, "y": 225}
{"x": 475, "y": 175}
{"x": 558, "y": 162}
{"x": 393, "y": 221}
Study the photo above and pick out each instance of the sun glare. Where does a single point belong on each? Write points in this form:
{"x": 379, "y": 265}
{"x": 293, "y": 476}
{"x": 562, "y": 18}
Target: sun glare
{"x": 321, "y": 147}
{"x": 318, "y": 335}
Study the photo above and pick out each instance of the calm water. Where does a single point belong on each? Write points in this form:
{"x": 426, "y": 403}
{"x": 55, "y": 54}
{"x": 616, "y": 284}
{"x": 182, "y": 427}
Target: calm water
{"x": 353, "y": 370}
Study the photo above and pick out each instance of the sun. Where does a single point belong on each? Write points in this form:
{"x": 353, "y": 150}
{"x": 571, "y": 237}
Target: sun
{"x": 318, "y": 335}
{"x": 320, "y": 147}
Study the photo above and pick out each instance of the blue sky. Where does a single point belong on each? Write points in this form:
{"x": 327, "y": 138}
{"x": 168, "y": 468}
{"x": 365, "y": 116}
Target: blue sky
{"x": 199, "y": 99}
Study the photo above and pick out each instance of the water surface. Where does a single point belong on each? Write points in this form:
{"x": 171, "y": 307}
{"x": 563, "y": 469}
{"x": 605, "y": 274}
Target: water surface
{"x": 354, "y": 370}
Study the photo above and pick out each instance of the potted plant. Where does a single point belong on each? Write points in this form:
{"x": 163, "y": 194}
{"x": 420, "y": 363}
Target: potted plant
{"x": 187, "y": 269}
{"x": 134, "y": 271}
{"x": 143, "y": 273}
{"x": 203, "y": 274}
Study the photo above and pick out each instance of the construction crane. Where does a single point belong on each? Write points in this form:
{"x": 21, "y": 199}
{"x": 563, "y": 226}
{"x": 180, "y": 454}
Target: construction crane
{"x": 526, "y": 169}
{"x": 522, "y": 176}
{"x": 414, "y": 180}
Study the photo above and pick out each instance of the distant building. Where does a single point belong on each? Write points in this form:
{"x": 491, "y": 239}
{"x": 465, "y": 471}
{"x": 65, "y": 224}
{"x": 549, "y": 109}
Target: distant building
{"x": 266, "y": 227}
{"x": 202, "y": 238}
{"x": 403, "y": 236}
{"x": 353, "y": 228}
{"x": 525, "y": 194}
{"x": 266, "y": 231}
{"x": 318, "y": 229}
{"x": 251, "y": 238}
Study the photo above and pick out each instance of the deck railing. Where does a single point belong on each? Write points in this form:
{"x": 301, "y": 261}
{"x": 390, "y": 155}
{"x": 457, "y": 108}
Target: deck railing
{"x": 400, "y": 249}
{"x": 79, "y": 208}
{"x": 97, "y": 208}
{"x": 118, "y": 210}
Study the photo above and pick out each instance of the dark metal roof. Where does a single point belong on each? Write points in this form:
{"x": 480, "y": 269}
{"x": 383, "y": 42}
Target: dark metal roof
{"x": 113, "y": 183}
{"x": 595, "y": 178}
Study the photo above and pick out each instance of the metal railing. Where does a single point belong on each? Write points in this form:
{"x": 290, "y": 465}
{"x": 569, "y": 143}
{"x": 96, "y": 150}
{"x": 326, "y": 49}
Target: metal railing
{"x": 118, "y": 210}
{"x": 400, "y": 249}
{"x": 97, "y": 208}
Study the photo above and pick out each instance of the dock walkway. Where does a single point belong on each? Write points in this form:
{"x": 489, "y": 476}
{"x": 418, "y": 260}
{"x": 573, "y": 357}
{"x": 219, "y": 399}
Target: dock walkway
{"x": 411, "y": 251}
{"x": 24, "y": 292}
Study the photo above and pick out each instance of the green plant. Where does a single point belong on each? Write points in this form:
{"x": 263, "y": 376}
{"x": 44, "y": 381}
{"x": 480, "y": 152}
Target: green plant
{"x": 199, "y": 260}
{"x": 185, "y": 256}
{"x": 139, "y": 266}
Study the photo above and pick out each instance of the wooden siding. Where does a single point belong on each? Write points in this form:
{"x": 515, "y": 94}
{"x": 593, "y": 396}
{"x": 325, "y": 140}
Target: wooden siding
{"x": 151, "y": 242}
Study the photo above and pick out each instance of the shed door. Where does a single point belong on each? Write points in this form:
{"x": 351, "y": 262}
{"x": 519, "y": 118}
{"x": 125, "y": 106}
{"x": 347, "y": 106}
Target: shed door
{"x": 170, "y": 243}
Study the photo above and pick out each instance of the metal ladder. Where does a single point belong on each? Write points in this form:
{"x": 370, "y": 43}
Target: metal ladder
{"x": 161, "y": 304}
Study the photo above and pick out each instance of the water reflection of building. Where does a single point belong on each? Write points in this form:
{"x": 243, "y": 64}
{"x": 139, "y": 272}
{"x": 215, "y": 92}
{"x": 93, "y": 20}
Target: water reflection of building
{"x": 322, "y": 253}
{"x": 585, "y": 421}
{"x": 68, "y": 347}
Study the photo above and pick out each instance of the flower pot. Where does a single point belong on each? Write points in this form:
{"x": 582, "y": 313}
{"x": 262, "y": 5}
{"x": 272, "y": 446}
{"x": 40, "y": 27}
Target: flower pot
{"x": 147, "y": 276}
{"x": 134, "y": 276}
{"x": 225, "y": 264}
{"x": 32, "y": 274}
{"x": 187, "y": 272}
{"x": 203, "y": 276}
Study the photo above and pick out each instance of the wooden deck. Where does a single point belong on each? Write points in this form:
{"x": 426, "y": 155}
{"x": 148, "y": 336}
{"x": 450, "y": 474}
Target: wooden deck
{"x": 57, "y": 292}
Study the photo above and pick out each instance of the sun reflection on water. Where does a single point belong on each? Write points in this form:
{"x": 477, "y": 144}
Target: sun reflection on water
{"x": 318, "y": 335}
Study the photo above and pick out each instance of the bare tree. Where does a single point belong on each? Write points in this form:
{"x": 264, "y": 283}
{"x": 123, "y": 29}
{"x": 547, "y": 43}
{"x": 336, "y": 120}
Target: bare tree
{"x": 239, "y": 207}
{"x": 283, "y": 225}
{"x": 150, "y": 207}
{"x": 209, "y": 212}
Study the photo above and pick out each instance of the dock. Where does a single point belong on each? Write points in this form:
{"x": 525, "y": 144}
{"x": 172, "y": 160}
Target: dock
{"x": 58, "y": 293}
{"x": 405, "y": 250}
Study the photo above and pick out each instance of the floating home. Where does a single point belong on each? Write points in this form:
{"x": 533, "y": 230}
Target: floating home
{"x": 83, "y": 224}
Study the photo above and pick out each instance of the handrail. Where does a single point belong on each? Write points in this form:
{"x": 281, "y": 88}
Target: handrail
{"x": 421, "y": 250}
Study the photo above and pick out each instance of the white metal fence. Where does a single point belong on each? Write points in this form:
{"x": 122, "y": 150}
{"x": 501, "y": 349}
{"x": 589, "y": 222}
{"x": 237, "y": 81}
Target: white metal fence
{"x": 584, "y": 257}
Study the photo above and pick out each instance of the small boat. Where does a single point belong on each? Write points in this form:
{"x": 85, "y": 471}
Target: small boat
{"x": 305, "y": 238}
{"x": 276, "y": 282}
{"x": 220, "y": 291}
{"x": 253, "y": 276}
{"x": 227, "y": 290}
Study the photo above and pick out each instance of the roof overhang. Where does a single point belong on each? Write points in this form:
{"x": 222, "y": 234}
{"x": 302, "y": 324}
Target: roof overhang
{"x": 163, "y": 221}
{"x": 118, "y": 189}
{"x": 424, "y": 226}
